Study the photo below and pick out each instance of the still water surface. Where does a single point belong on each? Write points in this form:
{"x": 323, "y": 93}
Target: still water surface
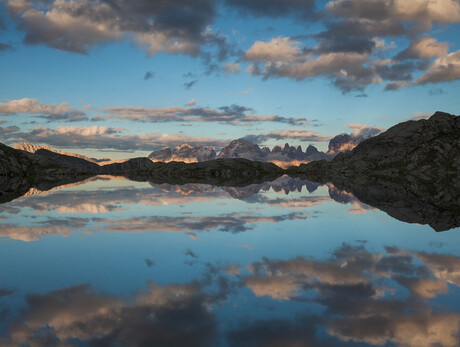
{"x": 289, "y": 263}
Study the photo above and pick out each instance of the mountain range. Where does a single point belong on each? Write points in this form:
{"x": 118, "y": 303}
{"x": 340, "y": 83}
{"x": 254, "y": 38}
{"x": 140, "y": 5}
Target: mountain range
{"x": 242, "y": 148}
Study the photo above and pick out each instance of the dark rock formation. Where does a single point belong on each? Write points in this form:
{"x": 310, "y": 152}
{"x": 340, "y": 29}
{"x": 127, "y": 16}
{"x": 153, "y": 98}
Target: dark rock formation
{"x": 425, "y": 149}
{"x": 411, "y": 171}
{"x": 28, "y": 147}
{"x": 68, "y": 161}
{"x": 234, "y": 171}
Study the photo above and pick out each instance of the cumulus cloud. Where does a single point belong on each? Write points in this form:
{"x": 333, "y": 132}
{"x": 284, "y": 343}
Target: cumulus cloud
{"x": 175, "y": 27}
{"x": 281, "y": 57}
{"x": 347, "y": 51}
{"x": 440, "y": 11}
{"x": 50, "y": 112}
{"x": 279, "y": 49}
{"x": 363, "y": 130}
{"x": 443, "y": 69}
{"x": 191, "y": 102}
{"x": 424, "y": 47}
{"x": 233, "y": 114}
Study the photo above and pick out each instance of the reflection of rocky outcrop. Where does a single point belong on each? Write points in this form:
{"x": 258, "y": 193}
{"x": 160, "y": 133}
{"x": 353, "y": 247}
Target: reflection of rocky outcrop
{"x": 437, "y": 205}
{"x": 284, "y": 184}
{"x": 410, "y": 171}
{"x": 238, "y": 172}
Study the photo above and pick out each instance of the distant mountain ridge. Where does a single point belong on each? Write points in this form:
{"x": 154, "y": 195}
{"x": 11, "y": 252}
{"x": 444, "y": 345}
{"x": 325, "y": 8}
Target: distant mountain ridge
{"x": 31, "y": 148}
{"x": 242, "y": 148}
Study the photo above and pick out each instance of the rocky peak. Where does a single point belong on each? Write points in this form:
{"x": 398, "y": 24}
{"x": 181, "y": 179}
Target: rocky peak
{"x": 311, "y": 150}
{"x": 28, "y": 147}
{"x": 161, "y": 155}
{"x": 242, "y": 149}
{"x": 276, "y": 149}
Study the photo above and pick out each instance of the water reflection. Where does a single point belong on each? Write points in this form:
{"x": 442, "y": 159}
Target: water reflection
{"x": 353, "y": 295}
{"x": 110, "y": 262}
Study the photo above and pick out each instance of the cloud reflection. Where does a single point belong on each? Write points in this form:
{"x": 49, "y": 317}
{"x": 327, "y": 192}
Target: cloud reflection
{"x": 355, "y": 295}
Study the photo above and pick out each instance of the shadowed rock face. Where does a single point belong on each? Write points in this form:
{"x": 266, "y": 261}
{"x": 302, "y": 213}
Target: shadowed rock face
{"x": 68, "y": 161}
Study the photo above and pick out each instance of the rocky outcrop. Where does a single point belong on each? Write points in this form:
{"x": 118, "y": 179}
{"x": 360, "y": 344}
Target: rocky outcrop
{"x": 424, "y": 149}
{"x": 411, "y": 171}
{"x": 185, "y": 153}
{"x": 35, "y": 166}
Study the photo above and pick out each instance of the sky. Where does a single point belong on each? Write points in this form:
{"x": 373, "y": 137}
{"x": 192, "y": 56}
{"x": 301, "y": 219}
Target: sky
{"x": 121, "y": 78}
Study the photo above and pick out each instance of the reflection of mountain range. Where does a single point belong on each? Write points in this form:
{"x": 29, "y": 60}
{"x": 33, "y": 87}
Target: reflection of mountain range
{"x": 284, "y": 184}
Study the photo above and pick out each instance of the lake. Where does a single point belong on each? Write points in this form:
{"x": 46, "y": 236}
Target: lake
{"x": 109, "y": 261}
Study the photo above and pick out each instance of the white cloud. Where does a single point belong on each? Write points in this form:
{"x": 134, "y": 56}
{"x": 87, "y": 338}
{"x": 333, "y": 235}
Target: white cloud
{"x": 32, "y": 106}
{"x": 279, "y": 49}
{"x": 443, "y": 69}
{"x": 442, "y": 11}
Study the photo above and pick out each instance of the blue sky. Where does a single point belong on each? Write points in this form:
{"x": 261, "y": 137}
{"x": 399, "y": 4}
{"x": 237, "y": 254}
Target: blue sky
{"x": 109, "y": 77}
